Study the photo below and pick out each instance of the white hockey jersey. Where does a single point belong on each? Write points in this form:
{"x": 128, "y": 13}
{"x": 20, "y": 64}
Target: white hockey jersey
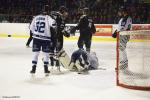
{"x": 40, "y": 27}
{"x": 125, "y": 24}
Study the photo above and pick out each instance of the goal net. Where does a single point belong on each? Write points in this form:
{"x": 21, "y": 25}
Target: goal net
{"x": 133, "y": 59}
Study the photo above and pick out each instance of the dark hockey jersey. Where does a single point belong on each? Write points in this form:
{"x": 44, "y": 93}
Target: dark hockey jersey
{"x": 86, "y": 25}
{"x": 59, "y": 20}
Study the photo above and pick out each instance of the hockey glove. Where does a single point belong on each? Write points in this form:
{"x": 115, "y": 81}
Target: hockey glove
{"x": 114, "y": 35}
{"x": 66, "y": 34}
{"x": 73, "y": 30}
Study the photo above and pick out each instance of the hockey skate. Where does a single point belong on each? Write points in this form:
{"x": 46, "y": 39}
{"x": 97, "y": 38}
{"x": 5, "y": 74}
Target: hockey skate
{"x": 27, "y": 46}
{"x": 51, "y": 61}
{"x": 58, "y": 65}
{"x": 85, "y": 71}
{"x": 33, "y": 69}
{"x": 46, "y": 71}
{"x": 74, "y": 68}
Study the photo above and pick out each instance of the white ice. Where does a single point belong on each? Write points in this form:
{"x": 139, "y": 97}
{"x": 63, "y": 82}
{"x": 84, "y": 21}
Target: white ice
{"x": 15, "y": 79}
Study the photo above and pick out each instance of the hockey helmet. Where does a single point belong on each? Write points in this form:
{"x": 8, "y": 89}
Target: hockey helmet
{"x": 85, "y": 10}
{"x": 122, "y": 9}
{"x": 63, "y": 9}
{"x": 45, "y": 9}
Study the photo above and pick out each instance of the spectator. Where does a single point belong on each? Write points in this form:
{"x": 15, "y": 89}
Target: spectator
{"x": 103, "y": 11}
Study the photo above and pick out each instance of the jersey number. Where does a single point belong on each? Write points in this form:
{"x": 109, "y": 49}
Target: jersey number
{"x": 40, "y": 27}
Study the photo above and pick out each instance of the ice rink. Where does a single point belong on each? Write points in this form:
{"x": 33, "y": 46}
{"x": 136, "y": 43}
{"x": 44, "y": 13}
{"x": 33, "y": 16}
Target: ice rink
{"x": 16, "y": 82}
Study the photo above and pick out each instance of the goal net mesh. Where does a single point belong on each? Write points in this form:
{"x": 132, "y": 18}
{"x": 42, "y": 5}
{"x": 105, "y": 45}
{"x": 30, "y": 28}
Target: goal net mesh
{"x": 133, "y": 59}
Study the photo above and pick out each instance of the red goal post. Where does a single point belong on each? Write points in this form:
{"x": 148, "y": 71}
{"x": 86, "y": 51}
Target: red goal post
{"x": 133, "y": 59}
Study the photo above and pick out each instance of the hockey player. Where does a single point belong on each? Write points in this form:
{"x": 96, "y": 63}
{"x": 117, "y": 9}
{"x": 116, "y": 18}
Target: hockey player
{"x": 86, "y": 60}
{"x": 60, "y": 18}
{"x": 42, "y": 26}
{"x": 79, "y": 57}
{"x": 124, "y": 24}
{"x": 86, "y": 28}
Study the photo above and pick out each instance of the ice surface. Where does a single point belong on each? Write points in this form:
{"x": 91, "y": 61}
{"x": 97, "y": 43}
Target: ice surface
{"x": 15, "y": 80}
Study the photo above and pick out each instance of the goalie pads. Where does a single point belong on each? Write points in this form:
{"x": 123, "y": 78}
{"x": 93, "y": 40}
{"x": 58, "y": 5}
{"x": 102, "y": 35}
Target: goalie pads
{"x": 64, "y": 59}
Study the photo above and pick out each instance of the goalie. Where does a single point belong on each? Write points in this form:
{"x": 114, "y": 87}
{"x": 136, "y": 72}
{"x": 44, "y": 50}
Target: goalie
{"x": 124, "y": 24}
{"x": 57, "y": 45}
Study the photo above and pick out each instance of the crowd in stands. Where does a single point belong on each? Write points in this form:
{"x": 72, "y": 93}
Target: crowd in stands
{"x": 102, "y": 11}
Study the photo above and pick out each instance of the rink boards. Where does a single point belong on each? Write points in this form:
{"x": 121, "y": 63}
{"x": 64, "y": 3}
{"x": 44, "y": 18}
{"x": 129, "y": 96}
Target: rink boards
{"x": 103, "y": 31}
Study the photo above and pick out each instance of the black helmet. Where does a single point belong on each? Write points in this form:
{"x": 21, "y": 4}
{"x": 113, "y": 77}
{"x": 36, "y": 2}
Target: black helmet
{"x": 63, "y": 9}
{"x": 45, "y": 9}
{"x": 86, "y": 10}
{"x": 123, "y": 9}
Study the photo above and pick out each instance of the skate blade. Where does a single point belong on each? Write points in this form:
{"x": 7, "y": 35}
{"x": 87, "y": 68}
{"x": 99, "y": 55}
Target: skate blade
{"x": 28, "y": 47}
{"x": 58, "y": 69}
{"x": 47, "y": 74}
{"x": 33, "y": 75}
{"x": 83, "y": 72}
